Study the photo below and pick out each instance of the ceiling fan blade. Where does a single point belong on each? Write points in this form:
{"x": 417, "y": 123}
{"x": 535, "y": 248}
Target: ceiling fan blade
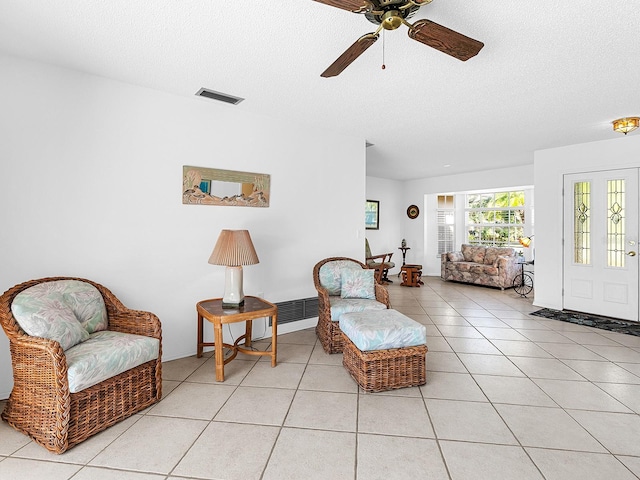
{"x": 356, "y": 6}
{"x": 350, "y": 54}
{"x": 444, "y": 39}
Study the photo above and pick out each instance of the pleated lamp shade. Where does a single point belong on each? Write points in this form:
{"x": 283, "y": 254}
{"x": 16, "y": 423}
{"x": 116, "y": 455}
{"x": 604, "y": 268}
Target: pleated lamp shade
{"x": 234, "y": 248}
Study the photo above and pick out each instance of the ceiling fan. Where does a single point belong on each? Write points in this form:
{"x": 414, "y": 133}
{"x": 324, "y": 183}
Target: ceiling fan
{"x": 390, "y": 14}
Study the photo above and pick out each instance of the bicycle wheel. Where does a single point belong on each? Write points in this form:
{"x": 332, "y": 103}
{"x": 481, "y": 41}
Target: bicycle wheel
{"x": 523, "y": 284}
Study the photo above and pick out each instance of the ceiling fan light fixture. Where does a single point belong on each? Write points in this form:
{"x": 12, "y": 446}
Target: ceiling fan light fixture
{"x": 390, "y": 15}
{"x": 391, "y": 20}
{"x": 626, "y": 124}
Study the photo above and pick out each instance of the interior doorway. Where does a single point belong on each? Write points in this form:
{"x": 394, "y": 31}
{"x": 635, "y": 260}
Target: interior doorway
{"x": 600, "y": 245}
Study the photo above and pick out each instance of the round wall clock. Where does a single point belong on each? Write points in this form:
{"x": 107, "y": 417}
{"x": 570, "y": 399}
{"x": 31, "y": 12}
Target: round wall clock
{"x": 413, "y": 211}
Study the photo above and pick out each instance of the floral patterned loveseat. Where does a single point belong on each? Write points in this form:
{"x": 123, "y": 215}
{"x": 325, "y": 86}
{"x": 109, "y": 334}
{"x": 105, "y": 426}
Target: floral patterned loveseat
{"x": 489, "y": 266}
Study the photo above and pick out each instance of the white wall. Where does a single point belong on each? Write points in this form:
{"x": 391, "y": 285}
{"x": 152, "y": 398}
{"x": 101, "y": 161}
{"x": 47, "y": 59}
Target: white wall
{"x": 392, "y": 213}
{"x": 550, "y": 166}
{"x": 423, "y": 192}
{"x": 90, "y": 186}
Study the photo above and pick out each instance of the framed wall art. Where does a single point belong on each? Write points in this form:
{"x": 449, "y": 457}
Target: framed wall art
{"x": 413, "y": 211}
{"x": 372, "y": 215}
{"x": 212, "y": 186}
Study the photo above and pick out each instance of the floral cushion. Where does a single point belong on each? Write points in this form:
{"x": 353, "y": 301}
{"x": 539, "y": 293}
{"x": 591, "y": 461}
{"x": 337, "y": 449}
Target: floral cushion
{"x": 88, "y": 305}
{"x": 52, "y": 310}
{"x": 330, "y": 274}
{"x": 358, "y": 283}
{"x": 492, "y": 254}
{"x": 473, "y": 254}
{"x": 106, "y": 354}
{"x": 43, "y": 312}
{"x": 483, "y": 269}
{"x": 455, "y": 256}
{"x": 464, "y": 266}
{"x": 382, "y": 330}
{"x": 346, "y": 305}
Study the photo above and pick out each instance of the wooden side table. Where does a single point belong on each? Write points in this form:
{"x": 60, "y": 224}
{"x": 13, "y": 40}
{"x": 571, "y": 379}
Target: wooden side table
{"x": 253, "y": 308}
{"x": 411, "y": 275}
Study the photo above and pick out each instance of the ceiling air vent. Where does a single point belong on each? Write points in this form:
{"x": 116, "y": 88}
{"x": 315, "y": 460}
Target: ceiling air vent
{"x": 222, "y": 97}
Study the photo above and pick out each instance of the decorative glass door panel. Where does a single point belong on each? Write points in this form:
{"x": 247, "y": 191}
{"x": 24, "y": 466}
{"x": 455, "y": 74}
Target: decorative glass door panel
{"x": 616, "y": 223}
{"x": 582, "y": 222}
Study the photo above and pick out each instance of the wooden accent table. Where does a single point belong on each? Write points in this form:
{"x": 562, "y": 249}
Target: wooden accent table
{"x": 253, "y": 308}
{"x": 411, "y": 275}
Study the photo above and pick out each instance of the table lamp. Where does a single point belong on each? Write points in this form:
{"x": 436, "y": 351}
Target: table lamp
{"x": 526, "y": 241}
{"x": 233, "y": 250}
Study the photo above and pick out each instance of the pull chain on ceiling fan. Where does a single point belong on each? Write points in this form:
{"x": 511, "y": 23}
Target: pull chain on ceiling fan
{"x": 390, "y": 15}
{"x": 383, "y": 42}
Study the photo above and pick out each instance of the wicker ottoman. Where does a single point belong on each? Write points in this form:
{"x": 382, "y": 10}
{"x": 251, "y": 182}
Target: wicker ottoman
{"x": 384, "y": 350}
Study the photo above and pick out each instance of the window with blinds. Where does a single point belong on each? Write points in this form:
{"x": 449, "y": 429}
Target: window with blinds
{"x": 446, "y": 224}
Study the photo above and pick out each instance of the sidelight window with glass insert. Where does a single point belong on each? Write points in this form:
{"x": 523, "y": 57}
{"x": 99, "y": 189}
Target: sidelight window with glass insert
{"x": 582, "y": 223}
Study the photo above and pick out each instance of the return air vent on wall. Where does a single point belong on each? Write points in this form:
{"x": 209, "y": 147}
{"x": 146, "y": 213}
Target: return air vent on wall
{"x": 222, "y": 97}
{"x": 294, "y": 310}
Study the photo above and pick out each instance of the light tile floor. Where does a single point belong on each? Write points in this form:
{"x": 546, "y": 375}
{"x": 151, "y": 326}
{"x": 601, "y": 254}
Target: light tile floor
{"x": 508, "y": 396}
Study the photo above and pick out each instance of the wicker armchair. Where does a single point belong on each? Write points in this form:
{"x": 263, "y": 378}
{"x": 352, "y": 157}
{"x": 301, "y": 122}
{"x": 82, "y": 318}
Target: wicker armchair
{"x": 41, "y": 405}
{"x": 328, "y": 329}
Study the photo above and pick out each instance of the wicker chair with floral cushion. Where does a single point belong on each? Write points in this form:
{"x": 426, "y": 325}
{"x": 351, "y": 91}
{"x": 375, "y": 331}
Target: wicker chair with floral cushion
{"x": 81, "y": 360}
{"x": 344, "y": 285}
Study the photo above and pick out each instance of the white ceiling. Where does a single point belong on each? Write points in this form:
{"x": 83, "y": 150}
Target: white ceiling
{"x": 551, "y": 73}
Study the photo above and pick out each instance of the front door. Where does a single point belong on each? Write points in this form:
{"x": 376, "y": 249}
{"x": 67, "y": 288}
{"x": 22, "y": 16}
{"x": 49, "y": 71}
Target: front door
{"x": 601, "y": 243}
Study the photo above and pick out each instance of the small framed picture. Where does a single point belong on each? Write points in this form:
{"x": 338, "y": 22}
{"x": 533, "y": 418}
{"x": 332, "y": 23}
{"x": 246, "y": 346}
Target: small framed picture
{"x": 372, "y": 215}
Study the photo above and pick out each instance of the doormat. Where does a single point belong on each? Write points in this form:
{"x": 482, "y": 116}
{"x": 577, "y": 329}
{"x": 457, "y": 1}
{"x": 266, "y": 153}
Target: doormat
{"x": 605, "y": 323}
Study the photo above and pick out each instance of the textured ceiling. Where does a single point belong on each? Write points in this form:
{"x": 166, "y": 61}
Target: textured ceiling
{"x": 551, "y": 73}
